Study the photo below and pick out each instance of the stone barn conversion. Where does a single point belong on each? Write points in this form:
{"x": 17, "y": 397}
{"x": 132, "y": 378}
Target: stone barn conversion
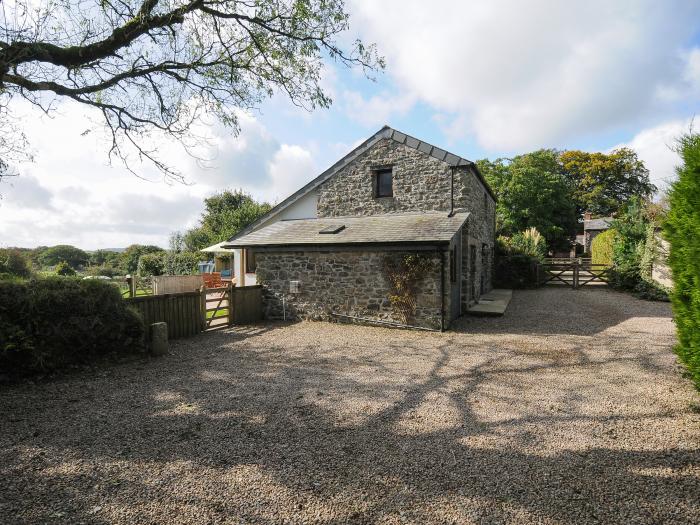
{"x": 398, "y": 231}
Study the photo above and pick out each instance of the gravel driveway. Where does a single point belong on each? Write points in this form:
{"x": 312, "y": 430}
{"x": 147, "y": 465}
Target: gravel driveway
{"x": 570, "y": 409}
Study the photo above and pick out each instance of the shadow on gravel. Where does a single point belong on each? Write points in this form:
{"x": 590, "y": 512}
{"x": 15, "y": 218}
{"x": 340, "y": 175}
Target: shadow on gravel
{"x": 562, "y": 310}
{"x": 277, "y": 412}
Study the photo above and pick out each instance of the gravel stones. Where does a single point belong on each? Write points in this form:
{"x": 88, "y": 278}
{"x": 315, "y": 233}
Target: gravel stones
{"x": 570, "y": 409}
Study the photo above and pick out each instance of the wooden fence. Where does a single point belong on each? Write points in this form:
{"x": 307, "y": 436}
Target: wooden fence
{"x": 189, "y": 313}
{"x": 181, "y": 311}
{"x": 572, "y": 272}
{"x": 164, "y": 284}
{"x": 246, "y": 304}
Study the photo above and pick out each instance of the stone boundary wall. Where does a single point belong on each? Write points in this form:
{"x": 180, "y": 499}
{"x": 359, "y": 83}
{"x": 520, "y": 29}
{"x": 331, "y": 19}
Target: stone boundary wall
{"x": 344, "y": 282}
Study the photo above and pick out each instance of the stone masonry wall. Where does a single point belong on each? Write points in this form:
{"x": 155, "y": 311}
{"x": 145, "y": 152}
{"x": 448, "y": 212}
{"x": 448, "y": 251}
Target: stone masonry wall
{"x": 348, "y": 282}
{"x": 353, "y": 282}
{"x": 421, "y": 183}
{"x": 471, "y": 196}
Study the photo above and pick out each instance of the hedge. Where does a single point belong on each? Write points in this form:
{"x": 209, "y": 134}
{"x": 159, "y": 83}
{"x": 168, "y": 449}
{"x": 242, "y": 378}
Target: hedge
{"x": 602, "y": 247}
{"x": 52, "y": 323}
{"x": 516, "y": 271}
{"x": 682, "y": 230}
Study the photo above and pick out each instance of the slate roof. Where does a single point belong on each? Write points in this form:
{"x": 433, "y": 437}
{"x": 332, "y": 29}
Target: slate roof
{"x": 384, "y": 133}
{"x": 602, "y": 223}
{"x": 394, "y": 228}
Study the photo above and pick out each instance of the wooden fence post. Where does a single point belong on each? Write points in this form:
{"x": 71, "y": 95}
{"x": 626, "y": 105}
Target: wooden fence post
{"x": 230, "y": 303}
{"x": 576, "y": 276}
{"x": 131, "y": 283}
{"x": 203, "y": 306}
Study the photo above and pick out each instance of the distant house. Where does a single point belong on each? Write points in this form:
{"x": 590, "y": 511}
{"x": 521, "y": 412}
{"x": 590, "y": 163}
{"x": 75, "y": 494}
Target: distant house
{"x": 592, "y": 228}
{"x": 326, "y": 250}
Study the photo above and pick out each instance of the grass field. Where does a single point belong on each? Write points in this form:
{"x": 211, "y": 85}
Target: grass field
{"x": 220, "y": 313}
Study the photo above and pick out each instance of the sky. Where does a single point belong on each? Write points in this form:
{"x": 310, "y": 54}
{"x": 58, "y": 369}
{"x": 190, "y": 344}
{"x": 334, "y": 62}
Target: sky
{"x": 490, "y": 78}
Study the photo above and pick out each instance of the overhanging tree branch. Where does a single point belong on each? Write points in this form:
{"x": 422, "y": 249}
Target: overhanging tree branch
{"x": 155, "y": 65}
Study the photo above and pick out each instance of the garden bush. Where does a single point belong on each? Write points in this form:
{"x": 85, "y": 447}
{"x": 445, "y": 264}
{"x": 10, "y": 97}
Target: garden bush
{"x": 529, "y": 242}
{"x": 64, "y": 269}
{"x": 682, "y": 228}
{"x": 515, "y": 271}
{"x": 602, "y": 247}
{"x": 52, "y": 323}
{"x": 151, "y": 264}
{"x": 182, "y": 263}
{"x": 13, "y": 264}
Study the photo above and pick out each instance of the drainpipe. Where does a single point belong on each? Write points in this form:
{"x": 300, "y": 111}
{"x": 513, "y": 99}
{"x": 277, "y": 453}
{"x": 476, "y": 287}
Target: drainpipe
{"x": 452, "y": 191}
{"x": 442, "y": 291}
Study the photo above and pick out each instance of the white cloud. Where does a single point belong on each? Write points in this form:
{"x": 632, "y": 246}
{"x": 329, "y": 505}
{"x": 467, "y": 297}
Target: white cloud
{"x": 378, "y": 109}
{"x": 290, "y": 169}
{"x": 519, "y": 75}
{"x": 70, "y": 194}
{"x": 655, "y": 147}
{"x": 26, "y": 191}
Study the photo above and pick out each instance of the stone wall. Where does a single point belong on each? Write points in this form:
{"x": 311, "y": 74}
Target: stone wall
{"x": 347, "y": 282}
{"x": 420, "y": 183}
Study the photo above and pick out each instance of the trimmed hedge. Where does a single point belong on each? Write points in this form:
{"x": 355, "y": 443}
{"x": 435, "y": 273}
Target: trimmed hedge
{"x": 52, "y": 323}
{"x": 516, "y": 271}
{"x": 682, "y": 229}
{"x": 602, "y": 247}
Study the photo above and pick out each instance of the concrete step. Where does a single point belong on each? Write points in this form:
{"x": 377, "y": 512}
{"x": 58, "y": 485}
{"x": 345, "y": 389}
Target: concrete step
{"x": 493, "y": 303}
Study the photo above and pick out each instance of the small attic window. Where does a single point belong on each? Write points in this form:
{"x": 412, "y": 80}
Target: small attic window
{"x": 383, "y": 183}
{"x": 330, "y": 230}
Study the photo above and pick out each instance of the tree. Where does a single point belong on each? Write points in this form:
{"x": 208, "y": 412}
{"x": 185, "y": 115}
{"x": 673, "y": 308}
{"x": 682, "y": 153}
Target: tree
{"x": 196, "y": 239}
{"x": 603, "y": 182}
{"x": 176, "y": 242}
{"x": 72, "y": 256}
{"x": 532, "y": 193}
{"x": 14, "y": 263}
{"x": 151, "y": 264}
{"x": 104, "y": 257}
{"x": 129, "y": 258}
{"x": 682, "y": 230}
{"x": 225, "y": 214}
{"x": 64, "y": 269}
{"x": 150, "y": 65}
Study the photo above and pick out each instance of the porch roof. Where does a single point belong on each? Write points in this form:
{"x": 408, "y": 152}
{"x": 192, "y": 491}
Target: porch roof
{"x": 217, "y": 248}
{"x": 393, "y": 228}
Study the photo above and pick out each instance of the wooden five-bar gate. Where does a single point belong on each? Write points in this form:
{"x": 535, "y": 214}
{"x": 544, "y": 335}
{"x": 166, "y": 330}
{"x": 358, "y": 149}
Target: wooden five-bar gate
{"x": 189, "y": 313}
{"x": 575, "y": 273}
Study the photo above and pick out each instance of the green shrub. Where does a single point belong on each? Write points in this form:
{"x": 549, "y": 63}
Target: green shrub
{"x": 648, "y": 254}
{"x": 106, "y": 271}
{"x": 183, "y": 263}
{"x": 528, "y": 242}
{"x": 52, "y": 323}
{"x": 64, "y": 269}
{"x": 151, "y": 264}
{"x": 651, "y": 291}
{"x": 631, "y": 227}
{"x": 682, "y": 228}
{"x": 602, "y": 247}
{"x": 13, "y": 264}
{"x": 515, "y": 271}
